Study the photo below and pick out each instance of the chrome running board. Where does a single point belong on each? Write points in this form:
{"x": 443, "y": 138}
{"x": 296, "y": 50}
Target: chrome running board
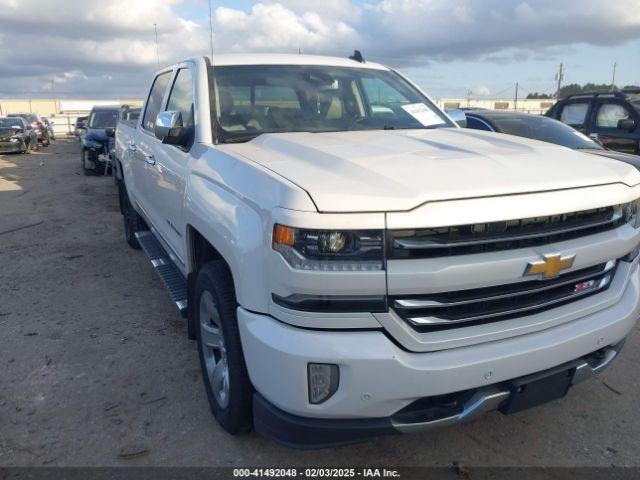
{"x": 166, "y": 269}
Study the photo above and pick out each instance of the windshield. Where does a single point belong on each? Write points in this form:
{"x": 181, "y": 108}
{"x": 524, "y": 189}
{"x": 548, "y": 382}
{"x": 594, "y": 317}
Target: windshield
{"x": 543, "y": 128}
{"x": 256, "y": 99}
{"x": 10, "y": 122}
{"x": 104, "y": 119}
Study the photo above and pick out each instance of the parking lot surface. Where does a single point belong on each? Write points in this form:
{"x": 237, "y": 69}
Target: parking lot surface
{"x": 96, "y": 368}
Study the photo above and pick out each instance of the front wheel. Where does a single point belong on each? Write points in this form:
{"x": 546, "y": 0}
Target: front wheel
{"x": 224, "y": 371}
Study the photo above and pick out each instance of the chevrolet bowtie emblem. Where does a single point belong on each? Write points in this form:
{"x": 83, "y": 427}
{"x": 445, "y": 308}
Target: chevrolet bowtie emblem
{"x": 551, "y": 265}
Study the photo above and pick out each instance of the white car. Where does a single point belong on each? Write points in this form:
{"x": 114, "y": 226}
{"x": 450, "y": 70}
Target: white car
{"x": 352, "y": 263}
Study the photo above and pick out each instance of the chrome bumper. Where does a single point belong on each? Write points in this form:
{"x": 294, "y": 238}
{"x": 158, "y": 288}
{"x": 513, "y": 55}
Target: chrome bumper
{"x": 491, "y": 398}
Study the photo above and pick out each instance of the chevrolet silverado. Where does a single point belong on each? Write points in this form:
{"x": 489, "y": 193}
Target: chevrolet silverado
{"x": 352, "y": 263}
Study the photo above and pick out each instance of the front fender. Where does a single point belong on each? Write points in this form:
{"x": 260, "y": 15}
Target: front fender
{"x": 236, "y": 231}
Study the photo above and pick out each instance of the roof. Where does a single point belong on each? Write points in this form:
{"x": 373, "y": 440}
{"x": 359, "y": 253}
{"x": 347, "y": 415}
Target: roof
{"x": 290, "y": 59}
{"x": 616, "y": 94}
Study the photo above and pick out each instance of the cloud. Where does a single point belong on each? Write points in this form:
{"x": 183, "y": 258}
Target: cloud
{"x": 107, "y": 47}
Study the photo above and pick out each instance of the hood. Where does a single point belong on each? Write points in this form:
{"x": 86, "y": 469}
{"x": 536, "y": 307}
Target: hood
{"x": 629, "y": 158}
{"x": 398, "y": 170}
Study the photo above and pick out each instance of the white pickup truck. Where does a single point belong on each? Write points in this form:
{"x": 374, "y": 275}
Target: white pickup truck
{"x": 352, "y": 263}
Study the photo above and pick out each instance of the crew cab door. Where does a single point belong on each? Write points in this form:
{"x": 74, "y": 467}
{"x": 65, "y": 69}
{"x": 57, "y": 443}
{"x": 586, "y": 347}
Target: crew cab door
{"x": 143, "y": 149}
{"x": 606, "y": 128}
{"x": 169, "y": 173}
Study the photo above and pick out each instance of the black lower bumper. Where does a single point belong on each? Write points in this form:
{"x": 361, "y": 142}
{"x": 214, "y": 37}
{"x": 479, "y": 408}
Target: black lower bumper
{"x": 307, "y": 433}
{"x": 427, "y": 413}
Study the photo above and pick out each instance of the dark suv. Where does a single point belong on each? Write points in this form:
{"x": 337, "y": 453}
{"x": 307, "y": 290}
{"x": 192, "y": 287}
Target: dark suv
{"x": 612, "y": 118}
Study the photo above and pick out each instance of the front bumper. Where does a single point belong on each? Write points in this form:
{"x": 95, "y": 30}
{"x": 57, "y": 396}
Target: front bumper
{"x": 378, "y": 377}
{"x": 301, "y": 432}
{"x": 10, "y": 147}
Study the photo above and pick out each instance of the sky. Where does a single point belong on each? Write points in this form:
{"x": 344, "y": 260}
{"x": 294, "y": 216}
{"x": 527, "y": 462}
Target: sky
{"x": 106, "y": 48}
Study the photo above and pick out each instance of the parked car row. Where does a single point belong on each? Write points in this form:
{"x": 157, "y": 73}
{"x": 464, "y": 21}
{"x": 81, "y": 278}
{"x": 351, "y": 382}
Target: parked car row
{"x": 612, "y": 118}
{"x": 16, "y": 135}
{"x": 351, "y": 263}
{"x": 97, "y": 137}
{"x": 24, "y": 132}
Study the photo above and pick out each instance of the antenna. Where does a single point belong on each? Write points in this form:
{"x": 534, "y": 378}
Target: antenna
{"x": 613, "y": 77}
{"x": 357, "y": 56}
{"x": 155, "y": 28}
{"x": 210, "y": 32}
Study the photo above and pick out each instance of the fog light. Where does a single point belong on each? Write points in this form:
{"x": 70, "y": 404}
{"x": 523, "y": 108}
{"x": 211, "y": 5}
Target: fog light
{"x": 323, "y": 381}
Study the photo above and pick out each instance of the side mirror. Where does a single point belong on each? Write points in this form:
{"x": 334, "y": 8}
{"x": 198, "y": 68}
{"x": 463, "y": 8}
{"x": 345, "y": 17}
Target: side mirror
{"x": 83, "y": 124}
{"x": 111, "y": 132}
{"x": 458, "y": 116}
{"x": 627, "y": 124}
{"x": 169, "y": 127}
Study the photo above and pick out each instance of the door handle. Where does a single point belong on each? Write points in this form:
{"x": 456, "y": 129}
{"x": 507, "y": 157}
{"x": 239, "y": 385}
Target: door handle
{"x": 150, "y": 159}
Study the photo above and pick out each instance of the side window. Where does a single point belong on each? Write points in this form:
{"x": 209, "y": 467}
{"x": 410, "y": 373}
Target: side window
{"x": 181, "y": 96}
{"x": 477, "y": 124}
{"x": 154, "y": 102}
{"x": 609, "y": 114}
{"x": 574, "y": 113}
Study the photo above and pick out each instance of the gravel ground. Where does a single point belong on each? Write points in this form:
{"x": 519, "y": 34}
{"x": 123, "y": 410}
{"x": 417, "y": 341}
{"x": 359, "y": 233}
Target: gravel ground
{"x": 96, "y": 368}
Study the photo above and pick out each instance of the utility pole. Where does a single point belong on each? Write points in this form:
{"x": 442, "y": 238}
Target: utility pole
{"x": 515, "y": 100}
{"x": 559, "y": 78}
{"x": 155, "y": 28}
{"x": 210, "y": 31}
{"x": 613, "y": 77}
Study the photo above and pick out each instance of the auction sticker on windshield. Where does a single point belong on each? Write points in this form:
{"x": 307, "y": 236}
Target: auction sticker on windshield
{"x": 423, "y": 114}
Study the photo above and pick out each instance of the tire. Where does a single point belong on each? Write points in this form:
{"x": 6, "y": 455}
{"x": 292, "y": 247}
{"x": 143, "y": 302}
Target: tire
{"x": 224, "y": 371}
{"x": 133, "y": 222}
{"x": 87, "y": 171}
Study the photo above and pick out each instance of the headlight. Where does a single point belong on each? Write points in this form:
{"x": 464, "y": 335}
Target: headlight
{"x": 630, "y": 212}
{"x": 14, "y": 140}
{"x": 339, "y": 250}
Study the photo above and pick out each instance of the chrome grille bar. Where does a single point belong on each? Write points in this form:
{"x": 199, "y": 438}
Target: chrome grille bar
{"x": 604, "y": 282}
{"x": 417, "y": 244}
{"x": 417, "y": 303}
{"x": 466, "y": 239}
{"x": 480, "y": 305}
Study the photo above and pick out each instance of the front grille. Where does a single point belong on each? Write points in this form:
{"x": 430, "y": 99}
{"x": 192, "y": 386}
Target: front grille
{"x": 461, "y": 308}
{"x": 505, "y": 235}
